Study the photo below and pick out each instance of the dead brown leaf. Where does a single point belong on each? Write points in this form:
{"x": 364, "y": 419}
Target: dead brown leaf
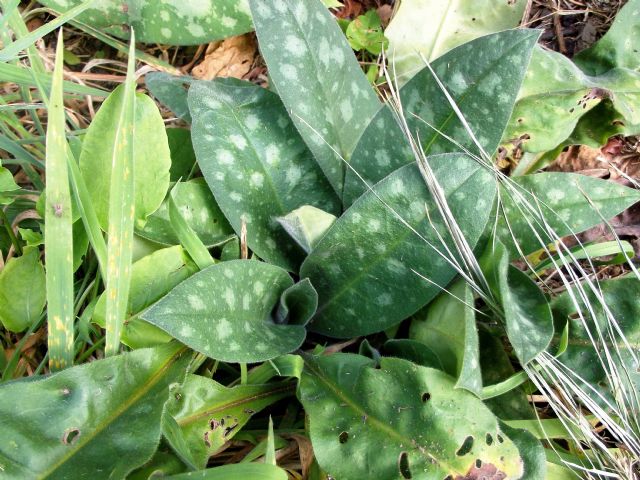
{"x": 232, "y": 57}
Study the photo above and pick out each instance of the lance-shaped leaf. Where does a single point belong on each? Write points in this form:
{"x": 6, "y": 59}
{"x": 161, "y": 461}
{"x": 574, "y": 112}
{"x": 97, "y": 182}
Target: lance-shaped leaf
{"x": 169, "y": 22}
{"x": 199, "y": 210}
{"x": 58, "y": 230}
{"x": 483, "y": 77}
{"x": 152, "y": 277}
{"x": 225, "y": 312}
{"x": 362, "y": 267}
{"x": 433, "y": 27}
{"x": 318, "y": 78}
{"x": 98, "y": 420}
{"x": 209, "y": 414}
{"x": 151, "y": 160}
{"x": 571, "y": 203}
{"x": 256, "y": 164}
{"x": 448, "y": 328}
{"x": 427, "y": 427}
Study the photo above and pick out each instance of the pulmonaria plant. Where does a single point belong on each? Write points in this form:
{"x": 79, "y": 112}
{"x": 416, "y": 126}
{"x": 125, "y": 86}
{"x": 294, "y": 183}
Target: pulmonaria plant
{"x": 363, "y": 218}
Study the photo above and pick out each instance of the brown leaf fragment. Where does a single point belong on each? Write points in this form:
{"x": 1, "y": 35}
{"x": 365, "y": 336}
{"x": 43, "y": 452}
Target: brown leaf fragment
{"x": 486, "y": 471}
{"x": 233, "y": 57}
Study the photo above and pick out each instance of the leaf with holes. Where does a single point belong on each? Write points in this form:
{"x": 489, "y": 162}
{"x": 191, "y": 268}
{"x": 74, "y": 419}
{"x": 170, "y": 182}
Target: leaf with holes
{"x": 209, "y": 415}
{"x": 362, "y": 267}
{"x": 318, "y": 78}
{"x": 564, "y": 200}
{"x": 99, "y": 420}
{"x": 199, "y": 210}
{"x": 428, "y": 428}
{"x": 433, "y": 27}
{"x": 256, "y": 164}
{"x": 170, "y": 22}
{"x": 226, "y": 311}
{"x": 482, "y": 76}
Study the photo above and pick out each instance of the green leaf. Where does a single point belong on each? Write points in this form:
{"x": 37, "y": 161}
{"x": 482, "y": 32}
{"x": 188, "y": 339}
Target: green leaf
{"x": 365, "y": 33}
{"x": 7, "y": 186}
{"x": 333, "y": 109}
{"x": 183, "y": 158}
{"x": 362, "y": 266}
{"x": 531, "y": 451}
{"x": 162, "y": 464}
{"x": 58, "y": 230}
{"x": 307, "y": 225}
{"x": 171, "y": 91}
{"x": 209, "y": 415}
{"x": 483, "y": 77}
{"x": 427, "y": 427}
{"x": 170, "y": 23}
{"x": 256, "y": 164}
{"x": 448, "y": 329}
{"x": 199, "y": 210}
{"x": 560, "y": 197}
{"x": 238, "y": 471}
{"x": 28, "y": 78}
{"x": 414, "y": 351}
{"x": 152, "y": 277}
{"x": 619, "y": 46}
{"x": 150, "y": 163}
{"x": 22, "y": 291}
{"x": 224, "y": 312}
{"x": 98, "y": 420}
{"x": 433, "y": 27}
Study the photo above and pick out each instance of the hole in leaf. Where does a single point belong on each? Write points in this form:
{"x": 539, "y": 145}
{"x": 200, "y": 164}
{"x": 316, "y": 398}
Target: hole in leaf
{"x": 343, "y": 437}
{"x": 500, "y": 439}
{"x": 403, "y": 465}
{"x": 488, "y": 439}
{"x": 70, "y": 436}
{"x": 466, "y": 446}
{"x": 478, "y": 463}
{"x": 448, "y": 477}
{"x": 520, "y": 120}
{"x": 426, "y": 396}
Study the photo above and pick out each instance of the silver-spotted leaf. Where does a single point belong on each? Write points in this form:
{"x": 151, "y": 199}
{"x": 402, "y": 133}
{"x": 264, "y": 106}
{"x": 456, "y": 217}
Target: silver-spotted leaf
{"x": 362, "y": 267}
{"x": 318, "y": 78}
{"x": 256, "y": 164}
{"x": 483, "y": 77}
{"x": 225, "y": 312}
{"x": 400, "y": 421}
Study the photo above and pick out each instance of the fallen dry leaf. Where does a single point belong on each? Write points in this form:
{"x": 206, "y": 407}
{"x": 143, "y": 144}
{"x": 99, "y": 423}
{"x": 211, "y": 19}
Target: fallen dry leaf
{"x": 232, "y": 57}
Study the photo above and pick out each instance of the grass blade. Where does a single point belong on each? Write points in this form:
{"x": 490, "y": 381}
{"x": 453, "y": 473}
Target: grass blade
{"x": 27, "y": 78}
{"x": 58, "y": 230}
{"x": 121, "y": 214}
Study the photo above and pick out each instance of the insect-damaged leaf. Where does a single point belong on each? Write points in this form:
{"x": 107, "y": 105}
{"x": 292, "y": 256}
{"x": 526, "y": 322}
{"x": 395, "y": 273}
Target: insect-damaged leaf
{"x": 482, "y": 76}
{"x": 362, "y": 266}
{"x": 99, "y": 420}
{"x": 427, "y": 427}
{"x": 256, "y": 164}
{"x": 318, "y": 78}
{"x": 227, "y": 311}
{"x": 209, "y": 414}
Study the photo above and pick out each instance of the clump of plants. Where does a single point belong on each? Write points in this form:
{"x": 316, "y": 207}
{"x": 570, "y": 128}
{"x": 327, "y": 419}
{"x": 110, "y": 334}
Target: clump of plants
{"x": 308, "y": 265}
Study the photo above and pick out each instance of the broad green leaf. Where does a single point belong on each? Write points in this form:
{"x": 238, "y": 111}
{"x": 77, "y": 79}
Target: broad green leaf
{"x": 170, "y": 22}
{"x": 362, "y": 267}
{"x": 209, "y": 414}
{"x": 58, "y": 230}
{"x": 238, "y": 471}
{"x": 414, "y": 351}
{"x": 162, "y": 464}
{"x": 152, "y": 277}
{"x": 307, "y": 225}
{"x": 531, "y": 452}
{"x": 225, "y": 312}
{"x": 7, "y": 186}
{"x": 448, "y": 328}
{"x": 429, "y": 429}
{"x": 170, "y": 90}
{"x": 199, "y": 210}
{"x": 318, "y": 78}
{"x": 183, "y": 158}
{"x": 365, "y": 33}
{"x": 151, "y": 160}
{"x": 99, "y": 420}
{"x": 433, "y": 27}
{"x": 22, "y": 291}
{"x": 527, "y": 314}
{"x": 619, "y": 46}
{"x": 256, "y": 164}
{"x": 560, "y": 197}
{"x": 483, "y": 77}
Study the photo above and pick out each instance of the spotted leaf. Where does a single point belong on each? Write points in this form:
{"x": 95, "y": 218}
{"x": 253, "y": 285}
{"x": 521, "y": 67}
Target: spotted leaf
{"x": 318, "y": 78}
{"x": 483, "y": 77}
{"x": 256, "y": 164}
{"x": 225, "y": 312}
{"x": 362, "y": 266}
